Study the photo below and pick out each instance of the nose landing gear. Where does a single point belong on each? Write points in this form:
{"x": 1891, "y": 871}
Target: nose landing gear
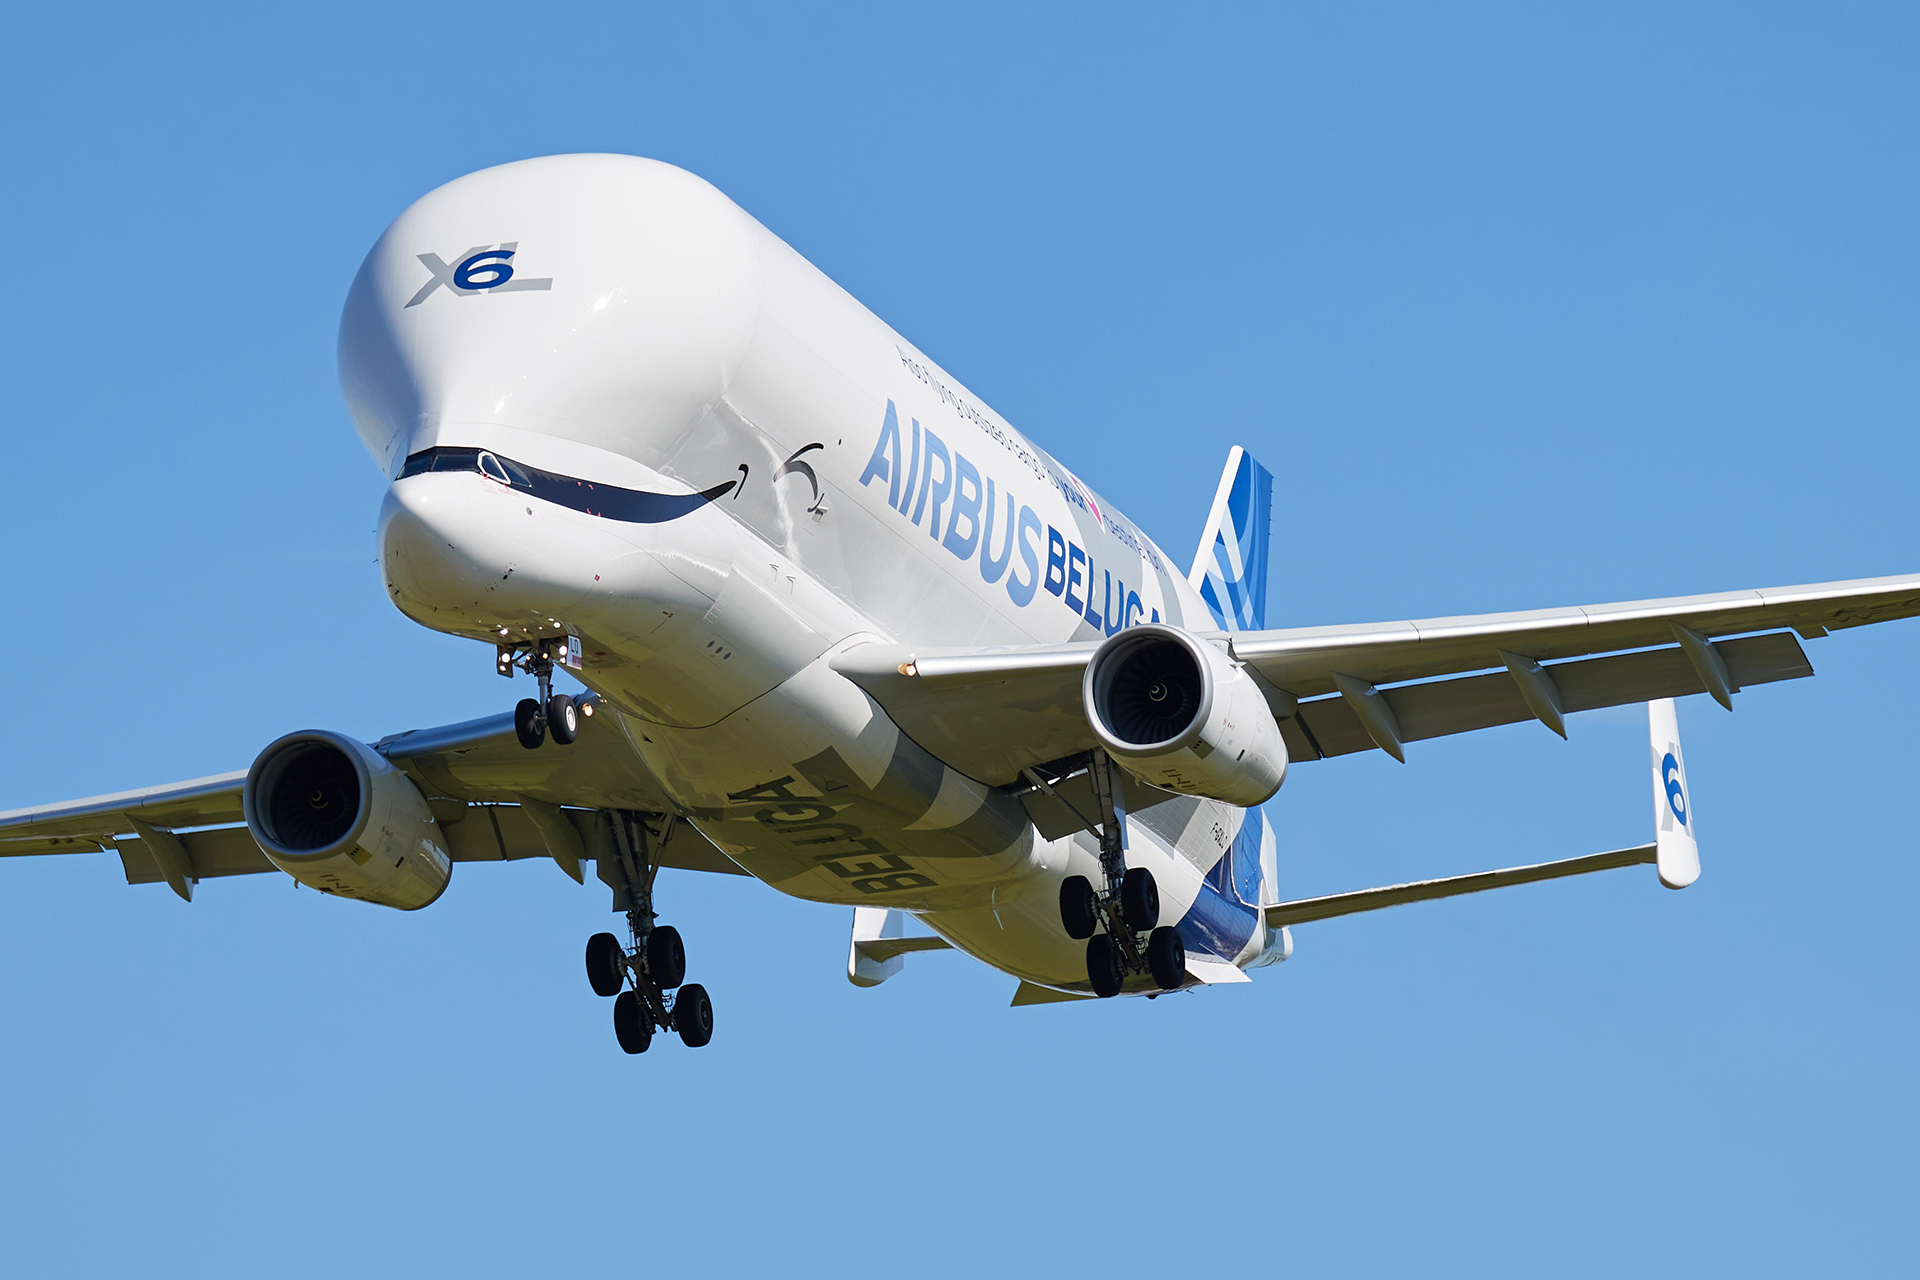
{"x": 551, "y": 714}
{"x": 655, "y": 961}
{"x": 1128, "y": 906}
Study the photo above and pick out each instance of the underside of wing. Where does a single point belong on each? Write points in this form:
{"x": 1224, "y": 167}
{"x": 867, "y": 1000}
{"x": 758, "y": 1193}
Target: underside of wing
{"x": 993, "y": 713}
{"x": 493, "y": 799}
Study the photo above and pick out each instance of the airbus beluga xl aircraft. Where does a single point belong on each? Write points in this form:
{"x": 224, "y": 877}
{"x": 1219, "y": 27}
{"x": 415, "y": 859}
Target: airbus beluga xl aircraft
{"x": 845, "y": 630}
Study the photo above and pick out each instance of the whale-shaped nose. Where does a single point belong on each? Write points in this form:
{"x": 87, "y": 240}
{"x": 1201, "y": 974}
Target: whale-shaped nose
{"x": 461, "y": 552}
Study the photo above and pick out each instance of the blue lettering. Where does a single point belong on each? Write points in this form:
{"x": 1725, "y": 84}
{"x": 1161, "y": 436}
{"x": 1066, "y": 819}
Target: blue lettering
{"x": 881, "y": 465}
{"x": 913, "y": 473}
{"x": 1133, "y": 609}
{"x": 493, "y": 265}
{"x": 1021, "y": 592}
{"x": 990, "y": 568}
{"x": 1093, "y": 613}
{"x": 936, "y": 447}
{"x": 1109, "y": 622}
{"x": 964, "y": 505}
{"x": 1057, "y": 562}
{"x": 1075, "y": 558}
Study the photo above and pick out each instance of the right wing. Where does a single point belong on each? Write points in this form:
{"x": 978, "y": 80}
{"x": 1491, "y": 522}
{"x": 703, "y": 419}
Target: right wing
{"x": 991, "y": 713}
{"x": 494, "y": 800}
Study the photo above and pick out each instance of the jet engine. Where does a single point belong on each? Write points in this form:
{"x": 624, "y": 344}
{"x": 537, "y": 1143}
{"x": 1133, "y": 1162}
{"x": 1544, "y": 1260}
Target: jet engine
{"x": 1180, "y": 714}
{"x": 337, "y": 816}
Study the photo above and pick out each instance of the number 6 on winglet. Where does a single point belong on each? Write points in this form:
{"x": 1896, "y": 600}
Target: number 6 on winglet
{"x": 1678, "y": 859}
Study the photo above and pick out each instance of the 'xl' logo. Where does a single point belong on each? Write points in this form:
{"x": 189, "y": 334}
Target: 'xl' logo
{"x": 481, "y": 269}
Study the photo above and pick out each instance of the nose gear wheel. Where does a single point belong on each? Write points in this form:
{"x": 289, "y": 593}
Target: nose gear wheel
{"x": 551, "y": 715}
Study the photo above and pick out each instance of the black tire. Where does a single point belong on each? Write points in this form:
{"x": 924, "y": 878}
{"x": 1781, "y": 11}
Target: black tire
{"x": 693, "y": 1015}
{"x": 606, "y": 964}
{"x": 1167, "y": 958}
{"x": 666, "y": 958}
{"x": 563, "y": 719}
{"x": 1103, "y": 966}
{"x": 1078, "y": 907}
{"x": 1140, "y": 899}
{"x": 632, "y": 1023}
{"x": 526, "y": 724}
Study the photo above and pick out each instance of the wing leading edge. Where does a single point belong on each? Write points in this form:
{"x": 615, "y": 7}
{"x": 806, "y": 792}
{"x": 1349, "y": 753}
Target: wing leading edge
{"x": 495, "y": 801}
{"x": 991, "y": 713}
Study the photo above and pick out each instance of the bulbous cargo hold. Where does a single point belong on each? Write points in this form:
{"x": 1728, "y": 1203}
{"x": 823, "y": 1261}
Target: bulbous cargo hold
{"x": 1181, "y": 715}
{"x": 337, "y": 816}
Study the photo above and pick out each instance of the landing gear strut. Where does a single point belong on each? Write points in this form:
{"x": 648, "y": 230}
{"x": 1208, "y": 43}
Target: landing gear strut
{"x": 654, "y": 960}
{"x": 1128, "y": 905}
{"x": 551, "y": 714}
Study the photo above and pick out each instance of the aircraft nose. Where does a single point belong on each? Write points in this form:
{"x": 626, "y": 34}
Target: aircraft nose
{"x": 461, "y": 553}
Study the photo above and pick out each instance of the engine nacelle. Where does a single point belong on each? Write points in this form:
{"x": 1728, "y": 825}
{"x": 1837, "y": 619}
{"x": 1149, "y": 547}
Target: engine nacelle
{"x": 1179, "y": 714}
{"x": 337, "y": 816}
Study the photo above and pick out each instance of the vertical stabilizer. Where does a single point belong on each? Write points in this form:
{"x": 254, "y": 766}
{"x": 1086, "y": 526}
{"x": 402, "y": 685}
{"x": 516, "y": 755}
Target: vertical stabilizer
{"x": 1230, "y": 569}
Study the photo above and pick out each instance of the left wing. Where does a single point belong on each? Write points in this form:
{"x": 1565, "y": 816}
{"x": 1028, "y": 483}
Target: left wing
{"x": 991, "y": 713}
{"x": 494, "y": 800}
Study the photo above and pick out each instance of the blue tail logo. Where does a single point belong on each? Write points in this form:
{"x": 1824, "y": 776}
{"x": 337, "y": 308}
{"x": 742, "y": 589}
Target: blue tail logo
{"x": 1230, "y": 569}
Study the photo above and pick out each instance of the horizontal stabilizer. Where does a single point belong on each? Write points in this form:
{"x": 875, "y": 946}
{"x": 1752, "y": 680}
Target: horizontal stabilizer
{"x": 1341, "y": 904}
{"x": 1034, "y": 993}
{"x": 1215, "y": 971}
{"x": 879, "y": 945}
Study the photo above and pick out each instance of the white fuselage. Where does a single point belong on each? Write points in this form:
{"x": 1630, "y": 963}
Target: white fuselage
{"x": 647, "y": 337}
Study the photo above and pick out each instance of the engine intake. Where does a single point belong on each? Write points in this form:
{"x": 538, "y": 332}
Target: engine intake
{"x": 337, "y": 816}
{"x": 1181, "y": 715}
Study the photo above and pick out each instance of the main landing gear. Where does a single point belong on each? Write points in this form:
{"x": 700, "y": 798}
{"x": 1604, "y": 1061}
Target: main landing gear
{"x": 646, "y": 977}
{"x": 1129, "y": 906}
{"x": 555, "y": 714}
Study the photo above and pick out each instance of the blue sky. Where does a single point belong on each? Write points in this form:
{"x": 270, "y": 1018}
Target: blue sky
{"x": 1523, "y": 306}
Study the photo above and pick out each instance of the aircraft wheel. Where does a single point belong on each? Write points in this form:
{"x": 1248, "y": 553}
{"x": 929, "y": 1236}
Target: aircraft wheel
{"x": 606, "y": 964}
{"x": 1140, "y": 899}
{"x": 563, "y": 719}
{"x": 666, "y": 958}
{"x": 693, "y": 1015}
{"x": 632, "y": 1023}
{"x": 1078, "y": 907}
{"x": 1103, "y": 965}
{"x": 526, "y": 724}
{"x": 1167, "y": 958}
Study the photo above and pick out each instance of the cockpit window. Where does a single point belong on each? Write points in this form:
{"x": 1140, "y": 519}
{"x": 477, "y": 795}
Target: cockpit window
{"x": 489, "y": 466}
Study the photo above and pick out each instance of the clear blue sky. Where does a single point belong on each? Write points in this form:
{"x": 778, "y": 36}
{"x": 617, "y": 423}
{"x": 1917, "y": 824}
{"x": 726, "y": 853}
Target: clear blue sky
{"x": 1524, "y": 305}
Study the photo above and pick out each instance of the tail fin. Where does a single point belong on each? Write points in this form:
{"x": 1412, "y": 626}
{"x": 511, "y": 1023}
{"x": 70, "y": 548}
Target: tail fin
{"x": 1230, "y": 568}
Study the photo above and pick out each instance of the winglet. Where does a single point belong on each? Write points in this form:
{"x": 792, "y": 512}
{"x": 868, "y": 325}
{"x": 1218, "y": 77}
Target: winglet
{"x": 1678, "y": 858}
{"x": 1230, "y": 568}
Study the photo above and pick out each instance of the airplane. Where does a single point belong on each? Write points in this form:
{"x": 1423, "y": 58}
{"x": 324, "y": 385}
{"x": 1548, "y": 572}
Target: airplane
{"x": 844, "y": 629}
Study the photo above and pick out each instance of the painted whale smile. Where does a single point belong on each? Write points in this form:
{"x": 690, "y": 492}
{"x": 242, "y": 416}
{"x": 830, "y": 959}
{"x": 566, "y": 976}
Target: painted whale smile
{"x": 635, "y": 506}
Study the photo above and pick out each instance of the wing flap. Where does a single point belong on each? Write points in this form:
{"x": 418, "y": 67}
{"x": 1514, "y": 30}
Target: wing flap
{"x": 223, "y": 851}
{"x": 1443, "y": 707}
{"x": 506, "y": 833}
{"x": 1304, "y": 661}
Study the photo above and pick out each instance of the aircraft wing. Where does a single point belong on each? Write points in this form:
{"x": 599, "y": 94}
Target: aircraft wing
{"x": 492, "y": 797}
{"x": 992, "y": 712}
